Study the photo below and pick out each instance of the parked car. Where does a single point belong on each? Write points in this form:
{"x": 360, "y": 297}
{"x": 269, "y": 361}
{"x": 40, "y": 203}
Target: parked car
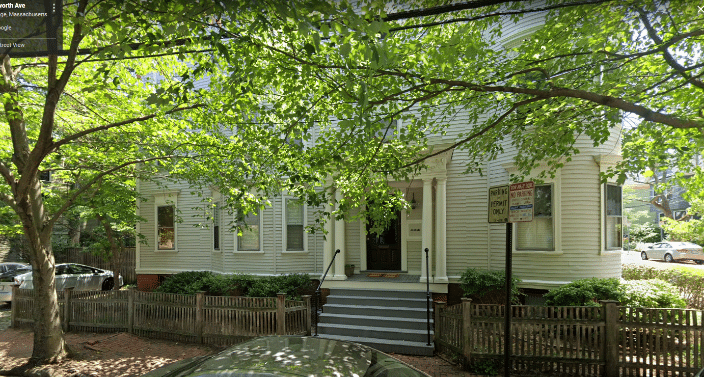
{"x": 76, "y": 276}
{"x": 674, "y": 251}
{"x": 291, "y": 356}
{"x": 7, "y": 280}
{"x": 10, "y": 266}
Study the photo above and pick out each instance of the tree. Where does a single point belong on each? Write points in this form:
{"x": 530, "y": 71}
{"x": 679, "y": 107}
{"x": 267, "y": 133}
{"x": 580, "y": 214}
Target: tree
{"x": 337, "y": 73}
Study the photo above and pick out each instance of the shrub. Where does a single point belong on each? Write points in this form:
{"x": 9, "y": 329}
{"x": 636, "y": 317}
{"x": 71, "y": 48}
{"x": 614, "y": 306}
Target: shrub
{"x": 192, "y": 282}
{"x": 480, "y": 282}
{"x": 652, "y": 293}
{"x": 689, "y": 283}
{"x": 585, "y": 292}
{"x": 647, "y": 232}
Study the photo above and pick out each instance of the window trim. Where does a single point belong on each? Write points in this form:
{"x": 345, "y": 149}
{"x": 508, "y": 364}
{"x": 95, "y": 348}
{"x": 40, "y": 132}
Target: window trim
{"x": 165, "y": 200}
{"x": 556, "y": 184}
{"x": 284, "y": 227}
{"x": 606, "y": 249}
{"x": 261, "y": 238}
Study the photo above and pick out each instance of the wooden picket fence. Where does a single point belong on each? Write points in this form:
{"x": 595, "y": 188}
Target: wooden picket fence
{"x": 578, "y": 341}
{"x": 215, "y": 320}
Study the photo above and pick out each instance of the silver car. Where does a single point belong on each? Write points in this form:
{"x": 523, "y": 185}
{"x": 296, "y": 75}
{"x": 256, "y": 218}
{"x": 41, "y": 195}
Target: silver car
{"x": 674, "y": 251}
{"x": 7, "y": 278}
{"x": 76, "y": 276}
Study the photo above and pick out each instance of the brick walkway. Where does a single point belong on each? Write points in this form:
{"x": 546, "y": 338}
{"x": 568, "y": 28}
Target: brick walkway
{"x": 123, "y": 354}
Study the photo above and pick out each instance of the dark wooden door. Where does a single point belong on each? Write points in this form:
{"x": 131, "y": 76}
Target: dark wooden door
{"x": 384, "y": 250}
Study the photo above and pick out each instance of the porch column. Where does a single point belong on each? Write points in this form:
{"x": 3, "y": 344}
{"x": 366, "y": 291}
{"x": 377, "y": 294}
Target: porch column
{"x": 427, "y": 234}
{"x": 328, "y": 242}
{"x": 339, "y": 243}
{"x": 440, "y": 231}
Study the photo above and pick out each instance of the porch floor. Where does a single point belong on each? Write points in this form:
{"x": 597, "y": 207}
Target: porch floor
{"x": 401, "y": 278}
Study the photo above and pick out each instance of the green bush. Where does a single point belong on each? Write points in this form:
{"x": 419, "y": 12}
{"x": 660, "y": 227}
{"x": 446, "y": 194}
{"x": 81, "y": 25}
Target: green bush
{"x": 689, "y": 283}
{"x": 652, "y": 293}
{"x": 585, "y": 292}
{"x": 192, "y": 282}
{"x": 480, "y": 282}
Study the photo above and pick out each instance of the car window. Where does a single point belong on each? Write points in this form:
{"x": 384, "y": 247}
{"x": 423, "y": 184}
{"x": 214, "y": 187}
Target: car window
{"x": 81, "y": 269}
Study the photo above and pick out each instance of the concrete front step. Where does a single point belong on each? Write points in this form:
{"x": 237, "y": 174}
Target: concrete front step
{"x": 389, "y": 320}
{"x": 376, "y": 311}
{"x": 377, "y": 321}
{"x": 380, "y": 293}
{"x": 389, "y": 333}
{"x": 389, "y": 346}
{"x": 377, "y": 301}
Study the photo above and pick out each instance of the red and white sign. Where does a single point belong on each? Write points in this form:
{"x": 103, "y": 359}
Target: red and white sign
{"x": 520, "y": 202}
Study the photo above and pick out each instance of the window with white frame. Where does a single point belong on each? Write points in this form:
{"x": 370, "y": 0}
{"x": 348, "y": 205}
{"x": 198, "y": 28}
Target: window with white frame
{"x": 538, "y": 234}
{"x": 613, "y": 226}
{"x": 250, "y": 239}
{"x": 166, "y": 227}
{"x": 295, "y": 233}
{"x": 217, "y": 209}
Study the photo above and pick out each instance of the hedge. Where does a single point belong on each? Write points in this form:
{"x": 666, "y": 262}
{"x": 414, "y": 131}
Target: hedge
{"x": 690, "y": 285}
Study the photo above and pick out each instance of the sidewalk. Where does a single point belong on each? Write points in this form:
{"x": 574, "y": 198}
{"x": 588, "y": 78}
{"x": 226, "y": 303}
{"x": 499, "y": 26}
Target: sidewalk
{"x": 122, "y": 354}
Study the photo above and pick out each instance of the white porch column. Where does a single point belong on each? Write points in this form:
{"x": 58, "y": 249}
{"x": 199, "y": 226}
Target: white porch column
{"x": 328, "y": 242}
{"x": 427, "y": 233}
{"x": 440, "y": 231}
{"x": 339, "y": 243}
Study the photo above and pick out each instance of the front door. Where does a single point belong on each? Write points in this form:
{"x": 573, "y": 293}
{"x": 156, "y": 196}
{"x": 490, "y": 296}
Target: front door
{"x": 384, "y": 250}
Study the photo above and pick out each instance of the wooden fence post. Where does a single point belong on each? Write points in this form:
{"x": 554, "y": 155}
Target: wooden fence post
{"x": 281, "y": 314}
{"x": 67, "y": 308}
{"x": 306, "y": 299}
{"x": 467, "y": 328}
{"x": 13, "y": 309}
{"x": 200, "y": 300}
{"x": 439, "y": 308}
{"x": 130, "y": 310}
{"x": 611, "y": 344}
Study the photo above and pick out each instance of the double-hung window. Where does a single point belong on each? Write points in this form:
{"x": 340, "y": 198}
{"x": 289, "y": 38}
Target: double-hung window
{"x": 613, "y": 221}
{"x": 217, "y": 209}
{"x": 295, "y": 233}
{"x": 250, "y": 239}
{"x": 538, "y": 234}
{"x": 166, "y": 227}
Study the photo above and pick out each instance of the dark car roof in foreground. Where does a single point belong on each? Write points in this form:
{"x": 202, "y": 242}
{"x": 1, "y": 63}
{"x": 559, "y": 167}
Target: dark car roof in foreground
{"x": 292, "y": 356}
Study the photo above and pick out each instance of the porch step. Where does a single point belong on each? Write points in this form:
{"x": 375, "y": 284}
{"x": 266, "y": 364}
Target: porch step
{"x": 389, "y": 346}
{"x": 391, "y": 321}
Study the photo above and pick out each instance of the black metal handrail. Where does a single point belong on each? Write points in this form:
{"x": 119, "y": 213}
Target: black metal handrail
{"x": 316, "y": 301}
{"x": 427, "y": 290}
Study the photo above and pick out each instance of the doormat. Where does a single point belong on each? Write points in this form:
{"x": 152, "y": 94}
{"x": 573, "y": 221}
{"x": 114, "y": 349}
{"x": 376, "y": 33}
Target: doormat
{"x": 382, "y": 275}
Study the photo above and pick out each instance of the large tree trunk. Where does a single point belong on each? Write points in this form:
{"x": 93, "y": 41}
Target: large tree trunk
{"x": 49, "y": 346}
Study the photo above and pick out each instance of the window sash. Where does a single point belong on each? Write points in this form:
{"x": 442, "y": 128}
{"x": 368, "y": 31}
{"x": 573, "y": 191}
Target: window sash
{"x": 613, "y": 219}
{"x": 538, "y": 234}
{"x": 166, "y": 229}
{"x": 294, "y": 225}
{"x": 250, "y": 239}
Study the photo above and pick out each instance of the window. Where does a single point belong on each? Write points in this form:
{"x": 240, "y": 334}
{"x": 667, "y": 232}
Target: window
{"x": 166, "y": 230}
{"x": 216, "y": 225}
{"x": 538, "y": 234}
{"x": 250, "y": 240}
{"x": 613, "y": 227}
{"x": 294, "y": 225}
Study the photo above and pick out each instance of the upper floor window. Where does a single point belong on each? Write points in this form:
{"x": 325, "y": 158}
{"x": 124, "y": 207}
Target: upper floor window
{"x": 166, "y": 227}
{"x": 250, "y": 239}
{"x": 613, "y": 222}
{"x": 295, "y": 234}
{"x": 538, "y": 234}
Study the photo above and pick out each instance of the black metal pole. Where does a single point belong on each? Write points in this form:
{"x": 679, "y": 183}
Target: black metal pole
{"x": 507, "y": 314}
{"x": 427, "y": 290}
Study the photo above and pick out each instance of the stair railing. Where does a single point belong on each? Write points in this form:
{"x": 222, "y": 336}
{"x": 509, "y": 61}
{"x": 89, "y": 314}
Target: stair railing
{"x": 427, "y": 291}
{"x": 316, "y": 300}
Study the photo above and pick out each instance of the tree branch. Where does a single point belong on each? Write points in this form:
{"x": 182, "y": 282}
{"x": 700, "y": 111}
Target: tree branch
{"x": 89, "y": 131}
